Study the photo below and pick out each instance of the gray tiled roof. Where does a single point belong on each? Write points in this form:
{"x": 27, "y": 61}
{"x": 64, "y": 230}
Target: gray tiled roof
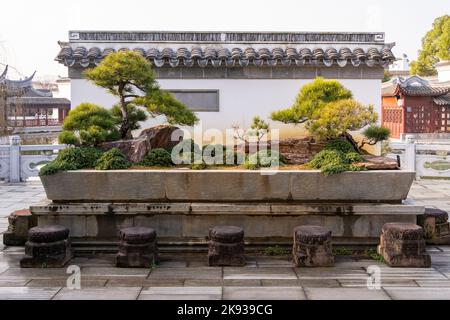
{"x": 39, "y": 101}
{"x": 442, "y": 100}
{"x": 414, "y": 86}
{"x": 239, "y": 56}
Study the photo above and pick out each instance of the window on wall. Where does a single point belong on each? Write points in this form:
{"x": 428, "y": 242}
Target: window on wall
{"x": 198, "y": 100}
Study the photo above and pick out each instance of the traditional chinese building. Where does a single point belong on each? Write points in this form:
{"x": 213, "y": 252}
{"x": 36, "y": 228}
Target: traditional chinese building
{"x": 24, "y": 106}
{"x": 229, "y": 77}
{"x": 414, "y": 105}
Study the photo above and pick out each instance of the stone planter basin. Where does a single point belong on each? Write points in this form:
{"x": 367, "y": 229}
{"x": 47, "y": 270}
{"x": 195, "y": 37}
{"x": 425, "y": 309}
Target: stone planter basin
{"x": 390, "y": 186}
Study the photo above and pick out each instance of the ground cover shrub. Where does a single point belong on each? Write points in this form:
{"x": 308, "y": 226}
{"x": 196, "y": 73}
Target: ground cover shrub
{"x": 158, "y": 158}
{"x": 113, "y": 159}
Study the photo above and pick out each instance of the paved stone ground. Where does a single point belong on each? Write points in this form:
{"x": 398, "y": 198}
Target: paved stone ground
{"x": 188, "y": 277}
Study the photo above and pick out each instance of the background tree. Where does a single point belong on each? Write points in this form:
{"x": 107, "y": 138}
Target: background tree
{"x": 386, "y": 76}
{"x": 89, "y": 125}
{"x": 311, "y": 98}
{"x": 435, "y": 48}
{"x": 129, "y": 76}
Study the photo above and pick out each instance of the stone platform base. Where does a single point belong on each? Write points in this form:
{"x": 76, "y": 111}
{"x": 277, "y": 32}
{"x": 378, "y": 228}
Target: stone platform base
{"x": 186, "y": 225}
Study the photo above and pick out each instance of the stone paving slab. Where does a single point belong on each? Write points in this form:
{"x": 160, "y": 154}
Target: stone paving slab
{"x": 141, "y": 282}
{"x": 205, "y": 273}
{"x": 315, "y": 283}
{"x": 345, "y": 294}
{"x": 181, "y": 293}
{"x": 361, "y": 283}
{"x": 34, "y": 273}
{"x": 112, "y": 272}
{"x": 263, "y": 293}
{"x": 128, "y": 293}
{"x": 85, "y": 283}
{"x": 330, "y": 273}
{"x": 399, "y": 293}
{"x": 230, "y": 273}
{"x": 433, "y": 283}
{"x": 24, "y": 293}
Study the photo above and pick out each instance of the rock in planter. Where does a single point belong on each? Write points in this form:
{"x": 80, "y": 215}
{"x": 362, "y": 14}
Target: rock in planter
{"x": 436, "y": 226}
{"x": 378, "y": 163}
{"x": 137, "y": 248}
{"x": 226, "y": 246}
{"x": 47, "y": 247}
{"x": 19, "y": 223}
{"x": 312, "y": 247}
{"x": 135, "y": 150}
{"x": 299, "y": 150}
{"x": 403, "y": 245}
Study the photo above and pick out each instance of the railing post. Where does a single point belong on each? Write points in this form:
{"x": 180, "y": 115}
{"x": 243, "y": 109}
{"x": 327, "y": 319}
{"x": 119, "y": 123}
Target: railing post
{"x": 410, "y": 154}
{"x": 14, "y": 159}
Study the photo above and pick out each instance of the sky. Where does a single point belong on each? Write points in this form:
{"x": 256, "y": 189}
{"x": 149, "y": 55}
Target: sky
{"x": 30, "y": 30}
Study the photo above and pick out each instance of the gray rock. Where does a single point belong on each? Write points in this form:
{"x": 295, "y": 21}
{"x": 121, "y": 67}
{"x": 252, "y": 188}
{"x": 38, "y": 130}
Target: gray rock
{"x": 135, "y": 150}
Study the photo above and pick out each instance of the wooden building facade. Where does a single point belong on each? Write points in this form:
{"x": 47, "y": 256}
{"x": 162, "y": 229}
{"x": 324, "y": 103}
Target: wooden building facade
{"x": 413, "y": 105}
{"x": 21, "y": 105}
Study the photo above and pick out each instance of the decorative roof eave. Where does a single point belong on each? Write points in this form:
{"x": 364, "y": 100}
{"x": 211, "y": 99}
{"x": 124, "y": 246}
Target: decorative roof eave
{"x": 442, "y": 100}
{"x": 3, "y": 75}
{"x": 414, "y": 86}
{"x": 236, "y": 57}
{"x": 16, "y": 84}
{"x": 49, "y": 102}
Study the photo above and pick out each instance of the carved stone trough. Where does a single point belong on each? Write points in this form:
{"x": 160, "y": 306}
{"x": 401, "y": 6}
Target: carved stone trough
{"x": 182, "y": 205}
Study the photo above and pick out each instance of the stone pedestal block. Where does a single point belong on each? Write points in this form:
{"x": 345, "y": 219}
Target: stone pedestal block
{"x": 403, "y": 245}
{"x": 436, "y": 226}
{"x": 47, "y": 247}
{"x": 226, "y": 246}
{"x": 19, "y": 223}
{"x": 312, "y": 247}
{"x": 137, "y": 248}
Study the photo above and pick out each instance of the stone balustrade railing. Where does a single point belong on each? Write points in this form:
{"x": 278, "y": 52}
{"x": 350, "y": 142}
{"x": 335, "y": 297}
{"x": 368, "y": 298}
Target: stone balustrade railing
{"x": 19, "y": 162}
{"x": 427, "y": 159}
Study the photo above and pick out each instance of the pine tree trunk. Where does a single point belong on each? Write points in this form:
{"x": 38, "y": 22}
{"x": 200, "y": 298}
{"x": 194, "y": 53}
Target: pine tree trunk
{"x": 352, "y": 141}
{"x": 125, "y": 131}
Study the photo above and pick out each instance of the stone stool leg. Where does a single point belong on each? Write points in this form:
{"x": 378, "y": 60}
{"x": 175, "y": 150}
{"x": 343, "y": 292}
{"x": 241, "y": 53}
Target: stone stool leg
{"x": 138, "y": 248}
{"x": 47, "y": 247}
{"x": 436, "y": 226}
{"x": 226, "y": 246}
{"x": 312, "y": 247}
{"x": 403, "y": 245}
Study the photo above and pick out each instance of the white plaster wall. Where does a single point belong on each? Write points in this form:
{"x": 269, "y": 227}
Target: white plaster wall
{"x": 240, "y": 100}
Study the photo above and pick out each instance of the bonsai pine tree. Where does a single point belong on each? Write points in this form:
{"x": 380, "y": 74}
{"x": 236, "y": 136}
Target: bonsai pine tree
{"x": 375, "y": 134}
{"x": 310, "y": 100}
{"x": 129, "y": 76}
{"x": 337, "y": 118}
{"x": 89, "y": 125}
{"x": 329, "y": 111}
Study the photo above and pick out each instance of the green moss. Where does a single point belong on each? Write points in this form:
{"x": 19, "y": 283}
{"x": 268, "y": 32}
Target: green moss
{"x": 333, "y": 161}
{"x": 264, "y": 159}
{"x": 373, "y": 254}
{"x": 340, "y": 145}
{"x": 72, "y": 159}
{"x": 342, "y": 252}
{"x": 114, "y": 159}
{"x": 275, "y": 251}
{"x": 55, "y": 167}
{"x": 158, "y": 158}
